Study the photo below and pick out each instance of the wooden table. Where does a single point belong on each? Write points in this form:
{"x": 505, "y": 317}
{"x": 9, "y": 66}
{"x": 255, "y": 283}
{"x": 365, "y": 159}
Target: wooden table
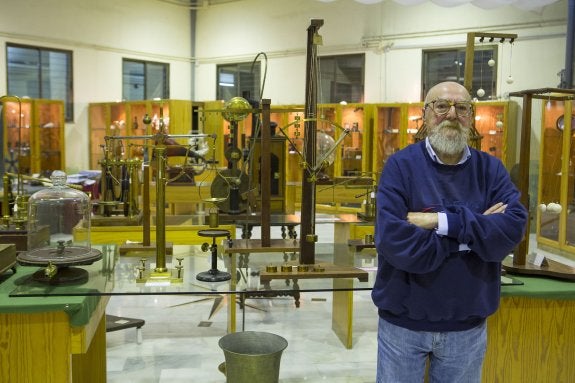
{"x": 51, "y": 339}
{"x": 531, "y": 338}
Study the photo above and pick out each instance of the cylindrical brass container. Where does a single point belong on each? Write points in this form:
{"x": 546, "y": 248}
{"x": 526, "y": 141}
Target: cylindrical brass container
{"x": 252, "y": 357}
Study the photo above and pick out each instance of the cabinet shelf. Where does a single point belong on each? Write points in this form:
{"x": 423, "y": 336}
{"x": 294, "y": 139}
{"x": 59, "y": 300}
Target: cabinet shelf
{"x": 38, "y": 132}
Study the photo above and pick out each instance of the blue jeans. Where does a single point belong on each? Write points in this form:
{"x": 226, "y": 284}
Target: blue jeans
{"x": 454, "y": 357}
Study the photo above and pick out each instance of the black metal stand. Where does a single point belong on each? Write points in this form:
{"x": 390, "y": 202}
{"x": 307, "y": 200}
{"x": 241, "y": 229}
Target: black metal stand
{"x": 213, "y": 275}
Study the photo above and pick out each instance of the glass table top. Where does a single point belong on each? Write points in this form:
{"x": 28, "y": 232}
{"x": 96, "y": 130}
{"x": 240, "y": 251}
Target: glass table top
{"x": 117, "y": 274}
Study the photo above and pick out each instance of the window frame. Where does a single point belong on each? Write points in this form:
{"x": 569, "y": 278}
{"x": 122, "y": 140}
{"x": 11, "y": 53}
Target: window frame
{"x": 69, "y": 78}
{"x": 481, "y": 70}
{"x": 356, "y": 89}
{"x": 239, "y": 70}
{"x": 166, "y": 88}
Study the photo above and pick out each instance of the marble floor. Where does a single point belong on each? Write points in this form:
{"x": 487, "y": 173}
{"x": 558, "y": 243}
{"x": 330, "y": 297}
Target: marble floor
{"x": 180, "y": 337}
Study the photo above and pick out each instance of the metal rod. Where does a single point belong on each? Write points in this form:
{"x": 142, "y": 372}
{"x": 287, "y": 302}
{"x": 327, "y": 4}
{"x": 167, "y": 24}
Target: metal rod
{"x": 159, "y": 152}
{"x": 146, "y": 206}
{"x": 265, "y": 170}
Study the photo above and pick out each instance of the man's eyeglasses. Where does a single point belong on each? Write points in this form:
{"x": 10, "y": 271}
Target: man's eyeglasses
{"x": 441, "y": 107}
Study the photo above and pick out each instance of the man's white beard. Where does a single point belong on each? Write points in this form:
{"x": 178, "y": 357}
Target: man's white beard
{"x": 451, "y": 145}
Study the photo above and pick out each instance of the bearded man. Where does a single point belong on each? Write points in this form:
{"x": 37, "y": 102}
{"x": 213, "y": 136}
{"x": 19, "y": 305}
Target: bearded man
{"x": 447, "y": 215}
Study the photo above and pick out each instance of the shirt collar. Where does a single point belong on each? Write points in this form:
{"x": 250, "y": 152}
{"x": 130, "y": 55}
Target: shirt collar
{"x": 435, "y": 158}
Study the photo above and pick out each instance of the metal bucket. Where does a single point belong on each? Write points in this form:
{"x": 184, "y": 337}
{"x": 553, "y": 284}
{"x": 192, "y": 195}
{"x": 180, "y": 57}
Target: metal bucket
{"x": 252, "y": 357}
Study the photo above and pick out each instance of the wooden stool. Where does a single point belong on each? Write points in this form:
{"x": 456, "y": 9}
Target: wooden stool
{"x": 114, "y": 323}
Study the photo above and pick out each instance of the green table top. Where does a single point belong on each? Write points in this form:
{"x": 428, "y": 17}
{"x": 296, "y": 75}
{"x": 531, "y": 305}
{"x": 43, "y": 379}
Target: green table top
{"x": 79, "y": 308}
{"x": 540, "y": 287}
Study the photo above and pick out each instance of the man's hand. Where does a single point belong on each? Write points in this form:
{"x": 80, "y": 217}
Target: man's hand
{"x": 423, "y": 220}
{"x": 499, "y": 207}
{"x": 429, "y": 220}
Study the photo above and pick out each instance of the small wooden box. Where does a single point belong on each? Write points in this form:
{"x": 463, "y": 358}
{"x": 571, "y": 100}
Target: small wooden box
{"x": 7, "y": 257}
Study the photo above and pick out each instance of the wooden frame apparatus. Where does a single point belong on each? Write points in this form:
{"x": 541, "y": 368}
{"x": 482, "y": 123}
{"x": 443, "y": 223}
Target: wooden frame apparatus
{"x": 520, "y": 264}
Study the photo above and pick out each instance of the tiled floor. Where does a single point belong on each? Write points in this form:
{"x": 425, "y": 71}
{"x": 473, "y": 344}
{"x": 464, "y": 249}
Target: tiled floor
{"x": 180, "y": 339}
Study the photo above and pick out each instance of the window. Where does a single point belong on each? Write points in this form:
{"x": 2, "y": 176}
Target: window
{"x": 145, "y": 80}
{"x": 341, "y": 78}
{"x": 238, "y": 79}
{"x": 37, "y": 72}
{"x": 449, "y": 65}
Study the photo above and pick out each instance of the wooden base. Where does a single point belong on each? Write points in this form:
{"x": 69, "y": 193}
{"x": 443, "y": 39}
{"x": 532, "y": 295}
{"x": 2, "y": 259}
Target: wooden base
{"x": 116, "y": 220}
{"x": 360, "y": 244}
{"x": 326, "y": 270}
{"x": 21, "y": 238}
{"x": 140, "y": 247}
{"x": 120, "y": 235}
{"x": 243, "y": 246}
{"x": 550, "y": 269}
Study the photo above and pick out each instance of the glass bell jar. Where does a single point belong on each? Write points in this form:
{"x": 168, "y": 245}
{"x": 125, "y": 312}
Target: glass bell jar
{"x": 61, "y": 209}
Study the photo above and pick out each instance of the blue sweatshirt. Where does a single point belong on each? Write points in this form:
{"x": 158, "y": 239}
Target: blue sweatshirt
{"x": 424, "y": 283}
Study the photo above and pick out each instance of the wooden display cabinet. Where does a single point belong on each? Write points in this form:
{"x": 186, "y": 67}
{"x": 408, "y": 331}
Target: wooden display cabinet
{"x": 355, "y": 159}
{"x": 394, "y": 128}
{"x": 214, "y": 123}
{"x": 126, "y": 119}
{"x": 496, "y": 121}
{"x": 34, "y": 143}
{"x": 397, "y": 124}
{"x": 556, "y": 196}
{"x": 105, "y": 119}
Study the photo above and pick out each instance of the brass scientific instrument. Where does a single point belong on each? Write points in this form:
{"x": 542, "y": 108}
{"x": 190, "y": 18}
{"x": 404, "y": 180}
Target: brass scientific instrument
{"x": 231, "y": 185}
{"x": 161, "y": 145}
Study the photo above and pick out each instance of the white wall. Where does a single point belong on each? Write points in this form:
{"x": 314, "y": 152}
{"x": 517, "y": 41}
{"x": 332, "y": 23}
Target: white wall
{"x": 237, "y": 31}
{"x": 102, "y": 32}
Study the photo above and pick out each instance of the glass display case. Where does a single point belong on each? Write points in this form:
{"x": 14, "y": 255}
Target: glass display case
{"x": 397, "y": 124}
{"x": 127, "y": 119}
{"x": 496, "y": 122}
{"x": 394, "y": 128}
{"x": 556, "y": 197}
{"x": 34, "y": 136}
{"x": 355, "y": 153}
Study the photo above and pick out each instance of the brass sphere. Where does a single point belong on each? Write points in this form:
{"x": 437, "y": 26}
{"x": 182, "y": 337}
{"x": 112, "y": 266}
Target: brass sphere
{"x": 236, "y": 109}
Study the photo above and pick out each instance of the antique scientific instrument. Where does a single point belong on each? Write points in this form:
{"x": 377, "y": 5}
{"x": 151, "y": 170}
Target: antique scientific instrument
{"x": 121, "y": 170}
{"x": 312, "y": 164}
{"x": 230, "y": 185}
{"x": 61, "y": 209}
{"x": 162, "y": 144}
{"x": 213, "y": 275}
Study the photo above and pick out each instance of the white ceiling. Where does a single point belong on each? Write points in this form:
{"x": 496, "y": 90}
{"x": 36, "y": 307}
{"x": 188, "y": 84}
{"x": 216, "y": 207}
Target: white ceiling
{"x": 528, "y": 5}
